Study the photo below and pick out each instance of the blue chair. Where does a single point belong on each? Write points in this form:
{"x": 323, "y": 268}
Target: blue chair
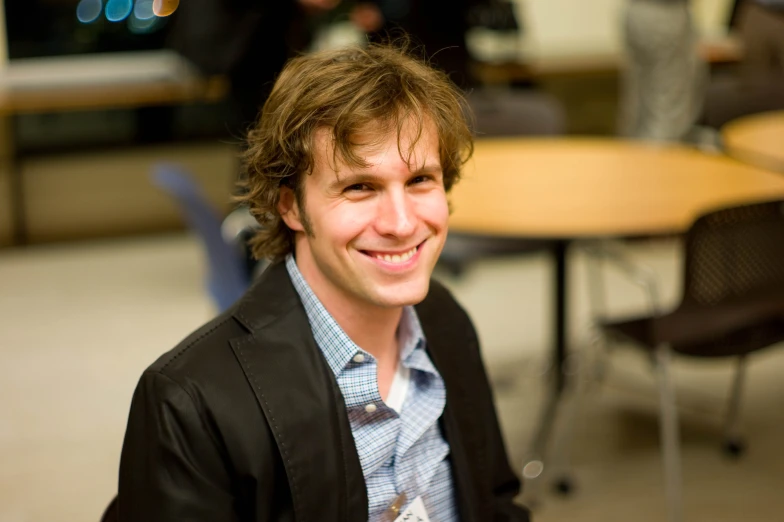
{"x": 228, "y": 277}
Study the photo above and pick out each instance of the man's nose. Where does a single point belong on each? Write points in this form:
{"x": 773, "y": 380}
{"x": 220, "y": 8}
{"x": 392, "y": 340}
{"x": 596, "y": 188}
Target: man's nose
{"x": 396, "y": 216}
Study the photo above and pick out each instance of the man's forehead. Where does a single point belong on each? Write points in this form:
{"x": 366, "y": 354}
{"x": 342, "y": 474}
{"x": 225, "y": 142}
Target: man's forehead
{"x": 375, "y": 138}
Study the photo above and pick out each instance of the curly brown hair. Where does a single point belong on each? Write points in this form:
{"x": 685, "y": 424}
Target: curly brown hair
{"x": 345, "y": 91}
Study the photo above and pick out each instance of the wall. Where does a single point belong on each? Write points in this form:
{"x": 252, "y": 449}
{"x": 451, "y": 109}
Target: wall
{"x": 110, "y": 193}
{"x": 591, "y": 27}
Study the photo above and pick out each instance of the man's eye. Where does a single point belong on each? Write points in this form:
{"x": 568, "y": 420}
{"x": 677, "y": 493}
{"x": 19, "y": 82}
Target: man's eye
{"x": 421, "y": 179}
{"x": 357, "y": 187}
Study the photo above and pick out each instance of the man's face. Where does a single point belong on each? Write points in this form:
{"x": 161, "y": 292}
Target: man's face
{"x": 376, "y": 232}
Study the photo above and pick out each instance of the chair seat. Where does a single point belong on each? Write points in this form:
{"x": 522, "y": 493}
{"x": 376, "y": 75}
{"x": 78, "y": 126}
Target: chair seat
{"x": 729, "y": 329}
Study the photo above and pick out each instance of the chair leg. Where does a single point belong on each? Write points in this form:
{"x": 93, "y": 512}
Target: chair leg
{"x": 582, "y": 375}
{"x": 668, "y": 426}
{"x": 534, "y": 462}
{"x": 598, "y": 303}
{"x": 733, "y": 443}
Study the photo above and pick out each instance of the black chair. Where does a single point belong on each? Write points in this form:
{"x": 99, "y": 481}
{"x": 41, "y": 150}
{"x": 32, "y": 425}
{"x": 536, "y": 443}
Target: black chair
{"x": 732, "y": 305}
{"x": 462, "y": 249}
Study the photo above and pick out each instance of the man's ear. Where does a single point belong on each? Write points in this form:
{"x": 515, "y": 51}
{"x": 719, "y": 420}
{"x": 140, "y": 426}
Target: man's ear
{"x": 289, "y": 209}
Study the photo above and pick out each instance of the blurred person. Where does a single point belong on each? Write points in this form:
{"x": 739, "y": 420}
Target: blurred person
{"x": 440, "y": 34}
{"x": 438, "y": 28}
{"x": 345, "y": 385}
{"x": 664, "y": 77}
{"x": 761, "y": 26}
{"x": 758, "y": 85}
{"x": 248, "y": 41}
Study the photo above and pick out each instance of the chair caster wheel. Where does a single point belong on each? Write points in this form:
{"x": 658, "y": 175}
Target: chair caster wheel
{"x": 564, "y": 486}
{"x": 734, "y": 448}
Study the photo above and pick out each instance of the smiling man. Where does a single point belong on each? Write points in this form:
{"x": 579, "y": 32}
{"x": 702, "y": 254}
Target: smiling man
{"x": 345, "y": 385}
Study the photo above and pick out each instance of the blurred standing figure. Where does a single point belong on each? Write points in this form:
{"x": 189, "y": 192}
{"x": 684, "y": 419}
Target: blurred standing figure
{"x": 664, "y": 77}
{"x": 438, "y": 27}
{"x": 758, "y": 85}
{"x": 248, "y": 41}
{"x": 761, "y": 25}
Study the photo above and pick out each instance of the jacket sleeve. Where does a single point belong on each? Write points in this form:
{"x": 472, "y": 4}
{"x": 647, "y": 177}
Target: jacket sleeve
{"x": 506, "y": 485}
{"x": 171, "y": 467}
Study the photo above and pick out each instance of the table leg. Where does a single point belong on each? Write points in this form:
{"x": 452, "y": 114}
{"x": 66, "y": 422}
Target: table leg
{"x": 18, "y": 203}
{"x": 559, "y": 337}
{"x": 534, "y": 464}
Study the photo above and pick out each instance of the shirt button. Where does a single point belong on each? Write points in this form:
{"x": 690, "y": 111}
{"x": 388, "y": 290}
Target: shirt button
{"x": 358, "y": 358}
{"x": 370, "y": 408}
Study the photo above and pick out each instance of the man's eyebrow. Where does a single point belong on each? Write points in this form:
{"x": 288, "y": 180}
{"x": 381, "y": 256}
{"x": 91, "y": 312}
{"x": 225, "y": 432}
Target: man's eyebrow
{"x": 353, "y": 179}
{"x": 428, "y": 169}
{"x": 367, "y": 177}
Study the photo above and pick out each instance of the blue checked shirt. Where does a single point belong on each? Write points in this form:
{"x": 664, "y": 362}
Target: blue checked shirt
{"x": 399, "y": 453}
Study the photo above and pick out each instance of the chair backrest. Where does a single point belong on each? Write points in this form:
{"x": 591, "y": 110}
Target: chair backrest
{"x": 228, "y": 277}
{"x": 735, "y": 253}
{"x": 515, "y": 113}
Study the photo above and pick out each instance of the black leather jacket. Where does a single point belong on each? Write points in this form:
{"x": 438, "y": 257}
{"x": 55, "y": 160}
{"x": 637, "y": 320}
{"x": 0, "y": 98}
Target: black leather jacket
{"x": 244, "y": 421}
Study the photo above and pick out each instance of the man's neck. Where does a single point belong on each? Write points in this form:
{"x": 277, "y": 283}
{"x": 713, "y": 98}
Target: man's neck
{"x": 372, "y": 328}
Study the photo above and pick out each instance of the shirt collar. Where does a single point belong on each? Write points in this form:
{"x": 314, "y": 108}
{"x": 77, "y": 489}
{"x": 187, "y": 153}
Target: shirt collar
{"x": 336, "y": 346}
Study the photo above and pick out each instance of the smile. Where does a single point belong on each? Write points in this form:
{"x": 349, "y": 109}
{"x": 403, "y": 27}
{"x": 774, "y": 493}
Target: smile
{"x": 397, "y": 258}
{"x": 394, "y": 258}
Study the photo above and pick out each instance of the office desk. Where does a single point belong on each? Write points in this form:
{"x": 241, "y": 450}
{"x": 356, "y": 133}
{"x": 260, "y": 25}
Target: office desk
{"x": 566, "y": 190}
{"x": 112, "y": 96}
{"x": 757, "y": 139}
{"x": 537, "y": 66}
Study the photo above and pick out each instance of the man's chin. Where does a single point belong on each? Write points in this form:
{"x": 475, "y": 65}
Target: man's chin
{"x": 402, "y": 295}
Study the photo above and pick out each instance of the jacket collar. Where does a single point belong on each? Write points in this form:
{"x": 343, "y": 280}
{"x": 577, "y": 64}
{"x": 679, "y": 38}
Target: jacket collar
{"x": 449, "y": 335}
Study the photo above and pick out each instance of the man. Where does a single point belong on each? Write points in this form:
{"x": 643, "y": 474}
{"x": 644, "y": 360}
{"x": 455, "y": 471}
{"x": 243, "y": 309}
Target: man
{"x": 345, "y": 385}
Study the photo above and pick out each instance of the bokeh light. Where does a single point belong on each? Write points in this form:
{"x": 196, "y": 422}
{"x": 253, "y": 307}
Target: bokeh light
{"x": 143, "y": 26}
{"x": 88, "y": 11}
{"x": 118, "y": 10}
{"x": 143, "y": 10}
{"x": 164, "y": 7}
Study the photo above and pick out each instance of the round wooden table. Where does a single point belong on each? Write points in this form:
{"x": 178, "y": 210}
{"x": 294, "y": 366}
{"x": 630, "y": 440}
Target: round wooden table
{"x": 757, "y": 139}
{"x": 569, "y": 189}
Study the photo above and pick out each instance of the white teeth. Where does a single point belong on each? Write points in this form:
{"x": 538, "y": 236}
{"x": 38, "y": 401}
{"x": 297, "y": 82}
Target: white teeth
{"x": 397, "y": 258}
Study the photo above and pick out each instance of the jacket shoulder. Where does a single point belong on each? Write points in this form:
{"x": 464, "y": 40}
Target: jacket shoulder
{"x": 202, "y": 350}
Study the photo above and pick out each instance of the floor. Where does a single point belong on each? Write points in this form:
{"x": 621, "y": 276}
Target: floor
{"x": 79, "y": 322}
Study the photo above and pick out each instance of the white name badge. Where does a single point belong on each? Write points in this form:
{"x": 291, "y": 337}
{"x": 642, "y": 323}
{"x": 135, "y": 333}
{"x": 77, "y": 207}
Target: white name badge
{"x": 414, "y": 513}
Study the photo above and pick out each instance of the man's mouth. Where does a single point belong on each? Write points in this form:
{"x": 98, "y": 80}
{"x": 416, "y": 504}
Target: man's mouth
{"x": 395, "y": 257}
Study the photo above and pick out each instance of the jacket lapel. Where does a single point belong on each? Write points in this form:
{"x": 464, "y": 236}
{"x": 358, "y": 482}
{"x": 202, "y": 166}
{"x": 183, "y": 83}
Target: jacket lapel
{"x": 461, "y": 420}
{"x": 289, "y": 377}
